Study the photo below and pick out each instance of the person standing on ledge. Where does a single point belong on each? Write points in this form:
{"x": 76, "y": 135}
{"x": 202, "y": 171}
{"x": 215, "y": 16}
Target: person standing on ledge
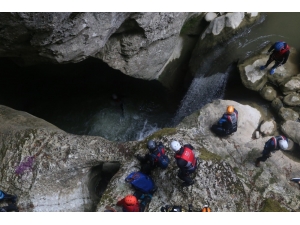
{"x": 186, "y": 161}
{"x": 280, "y": 54}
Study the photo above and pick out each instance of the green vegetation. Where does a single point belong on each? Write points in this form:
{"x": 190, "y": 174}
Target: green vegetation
{"x": 252, "y": 155}
{"x": 235, "y": 169}
{"x": 163, "y": 132}
{"x": 257, "y": 175}
{"x": 158, "y": 135}
{"x": 191, "y": 23}
{"x": 271, "y": 205}
{"x": 273, "y": 180}
{"x": 207, "y": 155}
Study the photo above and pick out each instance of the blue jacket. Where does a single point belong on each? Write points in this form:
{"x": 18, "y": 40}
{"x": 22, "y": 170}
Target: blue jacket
{"x": 229, "y": 122}
{"x": 272, "y": 144}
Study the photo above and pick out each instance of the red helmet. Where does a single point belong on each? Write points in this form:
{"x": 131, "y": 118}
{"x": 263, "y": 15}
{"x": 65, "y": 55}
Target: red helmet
{"x": 130, "y": 200}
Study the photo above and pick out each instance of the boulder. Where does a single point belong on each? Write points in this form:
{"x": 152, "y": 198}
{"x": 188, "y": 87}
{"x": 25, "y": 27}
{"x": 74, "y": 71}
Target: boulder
{"x": 291, "y": 85}
{"x": 210, "y": 16}
{"x": 268, "y": 93}
{"x": 292, "y": 99}
{"x": 268, "y": 128}
{"x": 252, "y": 14}
{"x": 233, "y": 20}
{"x": 230, "y": 20}
{"x": 249, "y": 119}
{"x": 252, "y": 77}
{"x": 291, "y": 129}
{"x": 217, "y": 25}
{"x": 288, "y": 114}
{"x": 277, "y": 104}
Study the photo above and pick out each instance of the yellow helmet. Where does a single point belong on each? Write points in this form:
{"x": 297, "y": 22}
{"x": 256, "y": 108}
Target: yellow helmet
{"x": 230, "y": 109}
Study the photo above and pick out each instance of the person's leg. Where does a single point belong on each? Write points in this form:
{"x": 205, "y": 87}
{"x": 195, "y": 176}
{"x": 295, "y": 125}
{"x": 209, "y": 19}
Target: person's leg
{"x": 144, "y": 203}
{"x": 267, "y": 63}
{"x": 8, "y": 197}
{"x": 138, "y": 194}
{"x": 272, "y": 70}
{"x": 263, "y": 158}
{"x": 11, "y": 208}
{"x": 185, "y": 177}
{"x": 277, "y": 63}
{"x": 218, "y": 130}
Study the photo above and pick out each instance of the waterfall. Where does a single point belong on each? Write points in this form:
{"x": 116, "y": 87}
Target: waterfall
{"x": 202, "y": 90}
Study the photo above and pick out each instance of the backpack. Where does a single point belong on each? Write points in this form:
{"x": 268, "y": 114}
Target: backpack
{"x": 141, "y": 182}
{"x": 161, "y": 158}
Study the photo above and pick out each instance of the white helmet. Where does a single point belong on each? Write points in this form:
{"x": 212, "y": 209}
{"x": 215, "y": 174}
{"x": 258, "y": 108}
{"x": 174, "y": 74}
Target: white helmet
{"x": 175, "y": 146}
{"x": 283, "y": 144}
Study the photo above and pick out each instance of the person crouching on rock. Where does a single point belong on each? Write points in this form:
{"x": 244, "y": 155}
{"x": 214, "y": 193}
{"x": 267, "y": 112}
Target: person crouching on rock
{"x": 274, "y": 143}
{"x": 228, "y": 123}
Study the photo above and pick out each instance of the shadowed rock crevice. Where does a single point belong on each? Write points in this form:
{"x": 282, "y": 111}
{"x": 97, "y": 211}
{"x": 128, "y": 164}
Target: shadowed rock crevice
{"x": 99, "y": 177}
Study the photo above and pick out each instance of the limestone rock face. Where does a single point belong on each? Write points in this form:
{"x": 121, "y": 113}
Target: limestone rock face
{"x": 144, "y": 52}
{"x": 47, "y": 168}
{"x": 61, "y": 175}
{"x": 138, "y": 44}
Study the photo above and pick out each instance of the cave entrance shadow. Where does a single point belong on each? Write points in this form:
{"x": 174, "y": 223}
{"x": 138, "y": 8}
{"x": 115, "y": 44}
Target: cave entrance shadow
{"x": 99, "y": 178}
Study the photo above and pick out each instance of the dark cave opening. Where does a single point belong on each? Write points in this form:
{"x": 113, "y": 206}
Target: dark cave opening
{"x": 76, "y": 97}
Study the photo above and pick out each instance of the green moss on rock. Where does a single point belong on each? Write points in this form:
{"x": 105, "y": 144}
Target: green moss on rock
{"x": 271, "y": 205}
{"x": 207, "y": 155}
{"x": 191, "y": 24}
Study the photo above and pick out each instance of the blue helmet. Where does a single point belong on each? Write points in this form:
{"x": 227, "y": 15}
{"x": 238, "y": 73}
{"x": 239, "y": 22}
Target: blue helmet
{"x": 278, "y": 46}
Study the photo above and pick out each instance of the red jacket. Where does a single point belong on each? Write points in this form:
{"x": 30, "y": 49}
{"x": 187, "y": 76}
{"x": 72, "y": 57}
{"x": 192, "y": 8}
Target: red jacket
{"x": 186, "y": 154}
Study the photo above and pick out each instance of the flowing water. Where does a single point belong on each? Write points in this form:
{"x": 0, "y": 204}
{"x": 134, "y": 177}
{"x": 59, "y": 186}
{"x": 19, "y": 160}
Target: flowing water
{"x": 77, "y": 97}
{"x": 218, "y": 77}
